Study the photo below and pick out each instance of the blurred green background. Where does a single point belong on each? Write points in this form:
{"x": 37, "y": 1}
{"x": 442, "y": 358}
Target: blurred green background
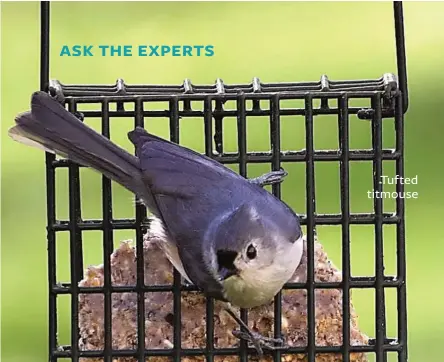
{"x": 276, "y": 42}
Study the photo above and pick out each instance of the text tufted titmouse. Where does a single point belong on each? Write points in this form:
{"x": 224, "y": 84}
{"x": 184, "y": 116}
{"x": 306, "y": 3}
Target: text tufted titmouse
{"x": 226, "y": 234}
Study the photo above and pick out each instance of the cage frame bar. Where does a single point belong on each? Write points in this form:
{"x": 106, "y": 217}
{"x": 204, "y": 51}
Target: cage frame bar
{"x": 108, "y": 237}
{"x": 343, "y": 134}
{"x": 310, "y": 285}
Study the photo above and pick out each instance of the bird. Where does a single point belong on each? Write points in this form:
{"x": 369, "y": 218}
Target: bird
{"x": 224, "y": 233}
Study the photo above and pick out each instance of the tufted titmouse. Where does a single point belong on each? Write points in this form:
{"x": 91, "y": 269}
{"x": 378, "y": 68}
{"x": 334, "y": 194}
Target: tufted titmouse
{"x": 226, "y": 234}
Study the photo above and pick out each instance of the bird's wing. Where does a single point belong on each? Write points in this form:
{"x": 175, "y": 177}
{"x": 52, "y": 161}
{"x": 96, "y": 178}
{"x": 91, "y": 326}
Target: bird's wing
{"x": 188, "y": 186}
{"x": 191, "y": 191}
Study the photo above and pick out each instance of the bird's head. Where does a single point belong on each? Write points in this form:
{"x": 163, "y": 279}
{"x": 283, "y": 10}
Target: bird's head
{"x": 252, "y": 257}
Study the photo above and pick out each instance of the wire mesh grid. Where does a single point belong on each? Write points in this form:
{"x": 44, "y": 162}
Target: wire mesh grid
{"x": 388, "y": 103}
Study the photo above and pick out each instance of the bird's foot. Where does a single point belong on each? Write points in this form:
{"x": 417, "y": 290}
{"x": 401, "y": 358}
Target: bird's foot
{"x": 256, "y": 339}
{"x": 259, "y": 341}
{"x": 270, "y": 178}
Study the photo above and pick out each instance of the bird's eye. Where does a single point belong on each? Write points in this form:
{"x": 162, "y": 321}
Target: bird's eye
{"x": 251, "y": 252}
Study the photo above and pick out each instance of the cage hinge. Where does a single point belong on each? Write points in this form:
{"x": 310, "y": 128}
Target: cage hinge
{"x": 390, "y": 88}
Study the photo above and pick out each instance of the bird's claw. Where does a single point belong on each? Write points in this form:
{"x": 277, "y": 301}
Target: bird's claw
{"x": 256, "y": 339}
{"x": 270, "y": 178}
{"x": 259, "y": 341}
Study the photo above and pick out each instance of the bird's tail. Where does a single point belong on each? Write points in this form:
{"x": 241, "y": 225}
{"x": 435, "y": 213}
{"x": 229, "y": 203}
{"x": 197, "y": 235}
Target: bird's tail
{"x": 51, "y": 127}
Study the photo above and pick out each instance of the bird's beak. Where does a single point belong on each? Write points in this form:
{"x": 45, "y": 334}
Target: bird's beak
{"x": 225, "y": 273}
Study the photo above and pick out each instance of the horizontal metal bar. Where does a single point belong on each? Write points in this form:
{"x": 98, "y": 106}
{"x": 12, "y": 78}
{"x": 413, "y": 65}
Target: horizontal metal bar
{"x": 120, "y": 87}
{"x": 64, "y": 351}
{"x": 356, "y": 219}
{"x": 226, "y": 113}
{"x": 225, "y": 96}
{"x": 116, "y": 224}
{"x": 321, "y": 219}
{"x": 287, "y": 156}
{"x": 355, "y": 283}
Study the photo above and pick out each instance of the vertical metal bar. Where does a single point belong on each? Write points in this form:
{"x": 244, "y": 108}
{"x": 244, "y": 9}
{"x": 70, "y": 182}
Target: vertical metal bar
{"x": 218, "y": 135}
{"x": 50, "y": 190}
{"x": 242, "y": 134}
{"x": 345, "y": 210}
{"x": 400, "y": 53}
{"x": 400, "y": 232}
{"x": 140, "y": 216}
{"x": 381, "y": 355}
{"x": 275, "y": 142}
{"x": 310, "y": 190}
{"x": 208, "y": 121}
{"x": 76, "y": 253}
{"x": 275, "y": 139}
{"x": 174, "y": 119}
{"x": 187, "y": 105}
{"x": 75, "y": 212}
{"x": 208, "y": 127}
{"x": 209, "y": 312}
{"x": 44, "y": 44}
{"x": 107, "y": 243}
{"x": 52, "y": 267}
{"x": 243, "y": 343}
{"x": 242, "y": 147}
{"x": 177, "y": 312}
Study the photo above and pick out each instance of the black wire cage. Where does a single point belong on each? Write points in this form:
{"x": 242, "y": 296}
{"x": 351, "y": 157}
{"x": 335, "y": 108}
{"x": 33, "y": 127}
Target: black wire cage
{"x": 388, "y": 99}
